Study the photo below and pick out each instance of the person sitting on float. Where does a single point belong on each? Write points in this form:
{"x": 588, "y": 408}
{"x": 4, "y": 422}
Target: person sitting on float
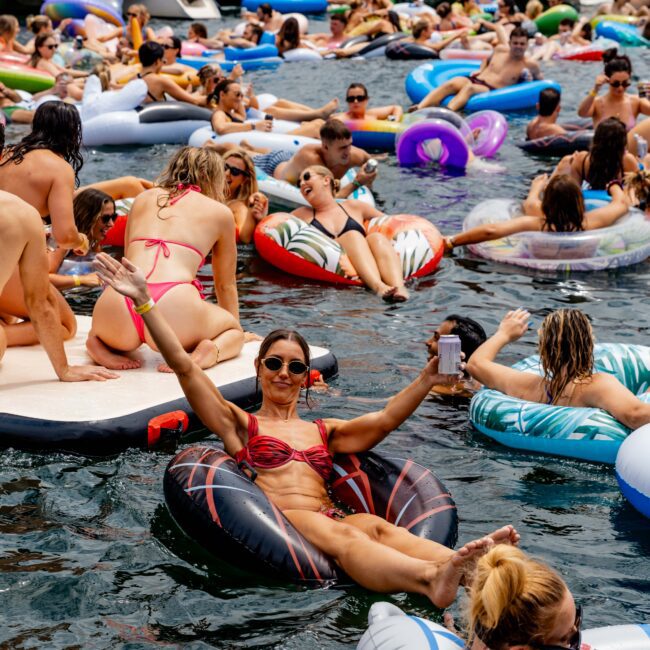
{"x": 373, "y": 256}
{"x": 357, "y": 99}
{"x": 607, "y": 160}
{"x": 554, "y": 205}
{"x": 472, "y": 336}
{"x": 171, "y": 229}
{"x": 617, "y": 102}
{"x": 292, "y": 457}
{"x": 548, "y": 110}
{"x": 140, "y": 13}
{"x": 566, "y": 350}
{"x": 247, "y": 203}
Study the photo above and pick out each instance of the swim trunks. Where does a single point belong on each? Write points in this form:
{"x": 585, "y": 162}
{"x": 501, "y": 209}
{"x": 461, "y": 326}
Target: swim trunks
{"x": 268, "y": 162}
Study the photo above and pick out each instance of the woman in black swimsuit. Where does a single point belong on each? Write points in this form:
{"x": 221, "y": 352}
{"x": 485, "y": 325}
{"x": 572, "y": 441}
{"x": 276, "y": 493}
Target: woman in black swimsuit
{"x": 373, "y": 256}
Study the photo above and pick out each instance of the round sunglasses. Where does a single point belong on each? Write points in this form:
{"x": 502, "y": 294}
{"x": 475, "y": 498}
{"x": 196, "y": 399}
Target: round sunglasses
{"x": 295, "y": 367}
{"x": 108, "y": 217}
{"x": 235, "y": 171}
{"x": 51, "y": 47}
{"x": 356, "y": 98}
{"x": 618, "y": 84}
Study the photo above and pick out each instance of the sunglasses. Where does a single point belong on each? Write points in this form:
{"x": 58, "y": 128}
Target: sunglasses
{"x": 356, "y": 98}
{"x": 618, "y": 84}
{"x": 132, "y": 15}
{"x": 295, "y": 367}
{"x": 51, "y": 47}
{"x": 305, "y": 177}
{"x": 236, "y": 173}
{"x": 169, "y": 47}
{"x": 108, "y": 217}
{"x": 576, "y": 640}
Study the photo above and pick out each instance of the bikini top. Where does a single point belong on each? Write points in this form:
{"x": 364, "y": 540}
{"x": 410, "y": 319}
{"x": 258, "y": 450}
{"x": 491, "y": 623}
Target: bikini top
{"x": 163, "y": 244}
{"x": 267, "y": 452}
{"x": 350, "y": 224}
{"x": 152, "y": 97}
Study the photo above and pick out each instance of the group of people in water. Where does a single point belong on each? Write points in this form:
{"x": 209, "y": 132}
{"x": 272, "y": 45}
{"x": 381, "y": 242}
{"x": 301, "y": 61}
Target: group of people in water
{"x": 207, "y": 197}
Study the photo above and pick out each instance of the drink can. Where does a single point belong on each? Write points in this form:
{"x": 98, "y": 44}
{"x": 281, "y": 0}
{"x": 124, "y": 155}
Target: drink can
{"x": 449, "y": 354}
{"x": 370, "y": 166}
{"x": 643, "y": 87}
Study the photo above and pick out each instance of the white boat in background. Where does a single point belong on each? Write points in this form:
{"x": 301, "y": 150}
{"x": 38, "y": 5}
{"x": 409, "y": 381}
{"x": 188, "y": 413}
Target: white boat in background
{"x": 189, "y": 9}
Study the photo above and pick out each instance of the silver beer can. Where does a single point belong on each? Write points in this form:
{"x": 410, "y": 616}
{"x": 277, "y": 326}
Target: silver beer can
{"x": 449, "y": 354}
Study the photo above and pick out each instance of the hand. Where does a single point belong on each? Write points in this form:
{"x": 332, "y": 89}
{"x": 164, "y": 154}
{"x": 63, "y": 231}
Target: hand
{"x": 449, "y": 244}
{"x": 83, "y": 247}
{"x": 365, "y": 178}
{"x": 601, "y": 80}
{"x": 238, "y": 71}
{"x": 431, "y": 369}
{"x": 86, "y": 373}
{"x": 263, "y": 125}
{"x": 125, "y": 278}
{"x": 259, "y": 205}
{"x": 539, "y": 182}
{"x": 90, "y": 280}
{"x": 514, "y": 324}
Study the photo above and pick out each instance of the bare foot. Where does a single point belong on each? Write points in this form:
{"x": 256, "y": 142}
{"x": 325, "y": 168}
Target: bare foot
{"x": 103, "y": 356}
{"x": 505, "y": 535}
{"x": 444, "y": 580}
{"x": 412, "y": 108}
{"x": 205, "y": 356}
{"x": 329, "y": 108}
{"x": 395, "y": 294}
{"x": 251, "y": 336}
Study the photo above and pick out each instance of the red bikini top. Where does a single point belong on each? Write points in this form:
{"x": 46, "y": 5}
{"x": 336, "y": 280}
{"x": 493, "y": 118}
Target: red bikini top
{"x": 267, "y": 452}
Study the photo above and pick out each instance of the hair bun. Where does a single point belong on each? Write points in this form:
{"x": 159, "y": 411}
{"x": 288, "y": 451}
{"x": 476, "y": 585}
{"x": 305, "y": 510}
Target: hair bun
{"x": 610, "y": 54}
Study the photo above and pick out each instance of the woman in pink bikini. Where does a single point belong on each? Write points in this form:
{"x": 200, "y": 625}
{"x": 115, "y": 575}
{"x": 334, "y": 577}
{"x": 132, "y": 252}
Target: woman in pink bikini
{"x": 171, "y": 229}
{"x": 292, "y": 457}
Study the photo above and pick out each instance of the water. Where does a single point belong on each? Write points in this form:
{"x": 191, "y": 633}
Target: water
{"x": 88, "y": 557}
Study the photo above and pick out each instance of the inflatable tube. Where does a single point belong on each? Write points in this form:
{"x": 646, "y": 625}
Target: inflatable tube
{"x": 613, "y": 18}
{"x": 402, "y": 50}
{"x": 190, "y": 48}
{"x": 593, "y": 52}
{"x": 426, "y": 77}
{"x": 83, "y": 59}
{"x": 57, "y": 10}
{"x": 490, "y": 130}
{"x": 144, "y": 408}
{"x": 14, "y": 57}
{"x": 440, "y": 113}
{"x": 172, "y": 112}
{"x": 293, "y": 246}
{"x": 413, "y": 8}
{"x": 389, "y": 628}
{"x": 301, "y": 54}
{"x": 77, "y": 265}
{"x": 375, "y": 135}
{"x": 249, "y": 65}
{"x": 412, "y": 146}
{"x": 626, "y": 35}
{"x": 272, "y": 141}
{"x": 338, "y": 9}
{"x": 377, "y": 46}
{"x": 284, "y": 194}
{"x": 585, "y": 433}
{"x": 452, "y": 53}
{"x": 559, "y": 145}
{"x": 290, "y": 6}
{"x": 23, "y": 77}
{"x": 218, "y": 506}
{"x": 626, "y": 242}
{"x": 246, "y": 54}
{"x": 632, "y": 470}
{"x": 549, "y": 22}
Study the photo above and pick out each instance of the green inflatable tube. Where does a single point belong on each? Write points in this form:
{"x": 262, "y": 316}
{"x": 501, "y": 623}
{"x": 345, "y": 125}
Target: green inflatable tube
{"x": 613, "y": 18}
{"x": 25, "y": 80}
{"x": 548, "y": 23}
{"x": 338, "y": 9}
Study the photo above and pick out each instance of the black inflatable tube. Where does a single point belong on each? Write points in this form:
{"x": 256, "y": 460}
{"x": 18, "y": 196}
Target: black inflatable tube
{"x": 381, "y": 41}
{"x": 219, "y": 507}
{"x": 404, "y": 51}
{"x": 559, "y": 145}
{"x": 111, "y": 436}
{"x": 172, "y": 112}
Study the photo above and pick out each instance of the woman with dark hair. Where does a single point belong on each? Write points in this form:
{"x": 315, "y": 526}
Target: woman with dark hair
{"x": 288, "y": 36}
{"x": 617, "y": 102}
{"x": 606, "y": 161}
{"x": 566, "y": 350}
{"x": 560, "y": 209}
{"x": 292, "y": 457}
{"x": 170, "y": 231}
{"x": 375, "y": 26}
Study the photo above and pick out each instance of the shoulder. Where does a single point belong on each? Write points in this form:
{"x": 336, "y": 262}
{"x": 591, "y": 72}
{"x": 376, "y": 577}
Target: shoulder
{"x": 630, "y": 163}
{"x": 303, "y": 213}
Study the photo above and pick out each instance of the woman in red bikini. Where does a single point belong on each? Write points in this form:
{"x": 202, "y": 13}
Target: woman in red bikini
{"x": 292, "y": 457}
{"x": 171, "y": 229}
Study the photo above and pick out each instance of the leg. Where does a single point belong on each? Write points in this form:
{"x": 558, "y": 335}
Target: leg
{"x": 3, "y": 341}
{"x": 470, "y": 89}
{"x": 389, "y": 264}
{"x": 361, "y": 558}
{"x": 309, "y": 129}
{"x": 298, "y": 113}
{"x": 451, "y": 87}
{"x": 356, "y": 248}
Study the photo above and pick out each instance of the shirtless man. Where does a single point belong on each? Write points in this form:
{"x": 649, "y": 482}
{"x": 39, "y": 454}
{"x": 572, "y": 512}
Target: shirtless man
{"x": 22, "y": 247}
{"x": 335, "y": 152}
{"x": 335, "y": 38}
{"x": 548, "y": 109}
{"x": 250, "y": 37}
{"x": 357, "y": 99}
{"x": 269, "y": 20}
{"x": 504, "y": 68}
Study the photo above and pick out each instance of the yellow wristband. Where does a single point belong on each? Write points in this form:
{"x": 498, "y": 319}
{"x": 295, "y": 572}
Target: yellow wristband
{"x": 593, "y": 92}
{"x": 77, "y": 280}
{"x": 147, "y": 306}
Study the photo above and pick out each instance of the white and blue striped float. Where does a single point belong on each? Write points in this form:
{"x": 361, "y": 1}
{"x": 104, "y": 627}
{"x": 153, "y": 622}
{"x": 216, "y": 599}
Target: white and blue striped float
{"x": 632, "y": 470}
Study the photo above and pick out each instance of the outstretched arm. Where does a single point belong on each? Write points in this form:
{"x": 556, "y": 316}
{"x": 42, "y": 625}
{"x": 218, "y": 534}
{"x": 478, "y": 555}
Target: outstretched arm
{"x": 491, "y": 231}
{"x": 608, "y": 214}
{"x": 610, "y": 395}
{"x": 224, "y": 418}
{"x": 363, "y": 433}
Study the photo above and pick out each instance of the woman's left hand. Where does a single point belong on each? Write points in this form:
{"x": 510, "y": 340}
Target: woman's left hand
{"x": 125, "y": 278}
{"x": 515, "y": 324}
{"x": 259, "y": 205}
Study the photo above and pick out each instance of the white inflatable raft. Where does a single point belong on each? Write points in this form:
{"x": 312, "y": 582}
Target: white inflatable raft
{"x": 143, "y": 408}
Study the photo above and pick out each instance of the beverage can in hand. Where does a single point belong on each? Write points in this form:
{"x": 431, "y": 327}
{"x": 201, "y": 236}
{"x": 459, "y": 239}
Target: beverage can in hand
{"x": 449, "y": 354}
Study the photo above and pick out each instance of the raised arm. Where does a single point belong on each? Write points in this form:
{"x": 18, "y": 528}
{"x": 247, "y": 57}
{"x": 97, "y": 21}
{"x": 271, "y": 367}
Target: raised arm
{"x": 484, "y": 369}
{"x": 224, "y": 263}
{"x": 491, "y": 231}
{"x": 222, "y": 417}
{"x": 366, "y": 431}
{"x": 174, "y": 90}
{"x": 588, "y": 104}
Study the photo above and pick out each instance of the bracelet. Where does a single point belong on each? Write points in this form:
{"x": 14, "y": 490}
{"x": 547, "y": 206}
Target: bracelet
{"x": 77, "y": 280}
{"x": 357, "y": 184}
{"x": 218, "y": 354}
{"x": 593, "y": 93}
{"x": 144, "y": 308}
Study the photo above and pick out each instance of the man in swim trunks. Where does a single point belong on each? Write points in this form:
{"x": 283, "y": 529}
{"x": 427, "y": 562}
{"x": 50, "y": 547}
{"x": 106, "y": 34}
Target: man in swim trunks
{"x": 357, "y": 99}
{"x": 22, "y": 245}
{"x": 548, "y": 109}
{"x": 472, "y": 335}
{"x": 335, "y": 152}
{"x": 504, "y": 68}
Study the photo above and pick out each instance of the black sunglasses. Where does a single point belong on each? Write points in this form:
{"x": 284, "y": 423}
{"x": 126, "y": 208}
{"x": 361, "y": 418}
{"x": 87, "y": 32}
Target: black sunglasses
{"x": 52, "y": 47}
{"x": 169, "y": 47}
{"x": 109, "y": 217}
{"x": 356, "y": 98}
{"x": 617, "y": 84}
{"x": 295, "y": 367}
{"x": 576, "y": 640}
{"x": 235, "y": 171}
{"x": 132, "y": 15}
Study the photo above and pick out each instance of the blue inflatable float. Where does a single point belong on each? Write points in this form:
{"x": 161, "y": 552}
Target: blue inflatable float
{"x": 428, "y": 76}
{"x": 289, "y": 6}
{"x": 626, "y": 35}
{"x": 249, "y": 65}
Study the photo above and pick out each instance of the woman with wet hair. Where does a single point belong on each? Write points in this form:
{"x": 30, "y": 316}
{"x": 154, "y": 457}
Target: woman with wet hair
{"x": 170, "y": 231}
{"x": 566, "y": 350}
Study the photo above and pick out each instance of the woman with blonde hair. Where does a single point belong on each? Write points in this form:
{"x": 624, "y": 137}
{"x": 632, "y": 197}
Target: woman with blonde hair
{"x": 566, "y": 350}
{"x": 519, "y": 602}
{"x": 9, "y": 28}
{"x": 171, "y": 229}
{"x": 142, "y": 15}
{"x": 247, "y": 203}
